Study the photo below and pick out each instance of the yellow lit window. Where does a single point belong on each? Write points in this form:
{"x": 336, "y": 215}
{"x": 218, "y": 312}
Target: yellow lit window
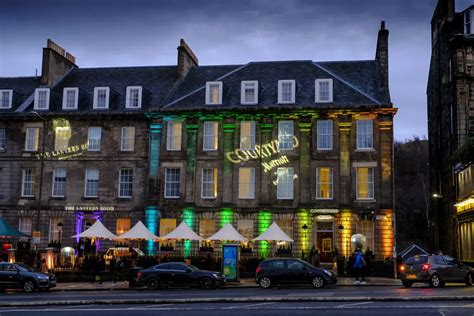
{"x": 62, "y": 135}
{"x": 123, "y": 225}
{"x": 324, "y": 183}
{"x": 365, "y": 183}
{"x": 167, "y": 225}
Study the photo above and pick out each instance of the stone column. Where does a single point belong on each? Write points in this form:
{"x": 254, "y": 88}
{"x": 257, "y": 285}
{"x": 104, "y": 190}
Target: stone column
{"x": 345, "y": 160}
{"x": 305, "y": 163}
{"x": 386, "y": 161}
{"x": 229, "y": 129}
{"x": 191, "y": 148}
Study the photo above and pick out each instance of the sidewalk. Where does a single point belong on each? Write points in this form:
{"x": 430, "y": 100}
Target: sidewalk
{"x": 244, "y": 283}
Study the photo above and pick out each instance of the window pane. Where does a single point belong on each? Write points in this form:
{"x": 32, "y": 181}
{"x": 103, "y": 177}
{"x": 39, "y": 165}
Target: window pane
{"x": 94, "y": 138}
{"x": 365, "y": 183}
{"x": 62, "y": 135}
{"x": 59, "y": 182}
{"x": 174, "y": 135}
{"x": 172, "y": 182}
{"x": 214, "y": 93}
{"x": 133, "y": 98}
{"x": 324, "y": 91}
{"x": 209, "y": 183}
{"x": 128, "y": 138}
{"x": 286, "y": 92}
{"x": 123, "y": 225}
{"x": 5, "y": 99}
{"x": 324, "y": 134}
{"x": 324, "y": 183}
{"x": 285, "y": 183}
{"x": 285, "y": 135}
{"x": 27, "y": 183}
{"x": 210, "y": 135}
{"x": 126, "y": 183}
{"x": 31, "y": 141}
{"x": 92, "y": 183}
{"x": 101, "y": 101}
{"x": 247, "y": 135}
{"x": 247, "y": 183}
{"x": 364, "y": 134}
{"x": 2, "y": 138}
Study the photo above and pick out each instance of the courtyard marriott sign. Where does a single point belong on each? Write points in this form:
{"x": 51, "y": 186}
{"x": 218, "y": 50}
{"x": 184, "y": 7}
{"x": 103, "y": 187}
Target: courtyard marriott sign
{"x": 261, "y": 151}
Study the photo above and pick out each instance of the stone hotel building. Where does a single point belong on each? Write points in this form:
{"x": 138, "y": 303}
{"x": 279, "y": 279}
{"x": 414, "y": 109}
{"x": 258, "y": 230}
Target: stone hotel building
{"x": 306, "y": 144}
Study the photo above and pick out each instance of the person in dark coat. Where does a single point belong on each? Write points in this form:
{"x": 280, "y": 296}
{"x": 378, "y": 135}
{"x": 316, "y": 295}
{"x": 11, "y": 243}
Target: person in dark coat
{"x": 359, "y": 266}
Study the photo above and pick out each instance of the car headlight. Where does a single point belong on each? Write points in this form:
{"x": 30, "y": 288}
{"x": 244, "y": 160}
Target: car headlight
{"x": 215, "y": 275}
{"x": 328, "y": 273}
{"x": 42, "y": 277}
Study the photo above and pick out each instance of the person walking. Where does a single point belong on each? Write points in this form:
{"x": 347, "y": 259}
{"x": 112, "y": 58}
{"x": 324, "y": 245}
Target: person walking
{"x": 359, "y": 266}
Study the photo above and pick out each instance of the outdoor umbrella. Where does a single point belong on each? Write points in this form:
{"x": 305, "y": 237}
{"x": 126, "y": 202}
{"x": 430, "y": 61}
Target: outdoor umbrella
{"x": 98, "y": 231}
{"x": 274, "y": 233}
{"x": 228, "y": 232}
{"x": 182, "y": 232}
{"x": 7, "y": 231}
{"x": 138, "y": 232}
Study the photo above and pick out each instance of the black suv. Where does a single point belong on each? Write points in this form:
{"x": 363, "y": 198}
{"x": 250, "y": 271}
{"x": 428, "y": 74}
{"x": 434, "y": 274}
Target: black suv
{"x": 292, "y": 271}
{"x": 178, "y": 273}
{"x": 435, "y": 270}
{"x": 19, "y": 275}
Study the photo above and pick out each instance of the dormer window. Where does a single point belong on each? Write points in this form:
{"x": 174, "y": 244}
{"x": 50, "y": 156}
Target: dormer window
{"x": 286, "y": 91}
{"x": 41, "y": 99}
{"x": 6, "y": 99}
{"x": 249, "y": 92}
{"x": 134, "y": 98}
{"x": 101, "y": 97}
{"x": 214, "y": 92}
{"x": 468, "y": 22}
{"x": 70, "y": 98}
{"x": 323, "y": 90}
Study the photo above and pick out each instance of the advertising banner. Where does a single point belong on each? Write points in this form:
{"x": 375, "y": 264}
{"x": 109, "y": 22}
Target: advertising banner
{"x": 230, "y": 262}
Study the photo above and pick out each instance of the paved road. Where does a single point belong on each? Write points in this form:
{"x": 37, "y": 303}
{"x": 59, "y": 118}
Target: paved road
{"x": 329, "y": 292}
{"x": 447, "y": 308}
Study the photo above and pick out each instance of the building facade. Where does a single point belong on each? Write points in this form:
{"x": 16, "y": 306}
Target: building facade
{"x": 306, "y": 144}
{"x": 451, "y": 129}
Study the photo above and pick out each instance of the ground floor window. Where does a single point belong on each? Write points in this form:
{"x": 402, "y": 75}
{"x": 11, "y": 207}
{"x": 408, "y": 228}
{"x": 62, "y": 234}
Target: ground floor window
{"x": 207, "y": 228}
{"x": 287, "y": 226}
{"x": 123, "y": 225}
{"x": 54, "y": 229}
{"x": 245, "y": 228}
{"x": 466, "y": 241}
{"x": 167, "y": 225}
{"x": 366, "y": 228}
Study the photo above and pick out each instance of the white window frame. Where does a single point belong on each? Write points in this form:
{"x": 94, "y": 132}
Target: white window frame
{"x": 242, "y": 92}
{"x": 36, "y": 103}
{"x": 250, "y": 187}
{"x": 124, "y": 183}
{"x": 29, "y": 224}
{"x": 127, "y": 101}
{"x": 174, "y": 142}
{"x": 208, "y": 91}
{"x": 32, "y": 141}
{"x": 55, "y": 183}
{"x": 122, "y": 139}
{"x": 213, "y": 183}
{"x": 23, "y": 182}
{"x": 371, "y": 183}
{"x": 317, "y": 90}
{"x": 54, "y": 231}
{"x": 360, "y": 140}
{"x": 65, "y": 99}
{"x": 3, "y": 138}
{"x": 251, "y": 138}
{"x": 280, "y": 91}
{"x": 99, "y": 142}
{"x": 85, "y": 182}
{"x": 321, "y": 133}
{"x": 318, "y": 183}
{"x": 168, "y": 182}
{"x": 96, "y": 95}
{"x": 10, "y": 99}
{"x": 287, "y": 194}
{"x": 215, "y": 136}
{"x": 280, "y": 136}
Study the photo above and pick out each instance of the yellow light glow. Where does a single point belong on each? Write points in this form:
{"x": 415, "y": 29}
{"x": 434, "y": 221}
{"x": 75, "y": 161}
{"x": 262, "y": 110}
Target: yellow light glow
{"x": 346, "y": 219}
{"x": 466, "y": 205}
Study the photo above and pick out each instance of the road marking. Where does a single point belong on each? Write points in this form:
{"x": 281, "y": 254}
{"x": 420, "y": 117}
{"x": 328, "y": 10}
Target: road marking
{"x": 353, "y": 304}
{"x": 246, "y": 306}
{"x": 149, "y": 306}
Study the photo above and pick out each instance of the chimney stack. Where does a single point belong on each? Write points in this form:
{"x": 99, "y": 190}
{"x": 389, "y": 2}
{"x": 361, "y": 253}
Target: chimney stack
{"x": 381, "y": 56}
{"x": 186, "y": 59}
{"x": 56, "y": 62}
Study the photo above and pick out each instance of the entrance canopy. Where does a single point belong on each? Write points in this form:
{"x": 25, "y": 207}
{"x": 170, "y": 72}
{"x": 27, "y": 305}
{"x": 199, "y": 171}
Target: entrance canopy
{"x": 182, "y": 232}
{"x": 274, "y": 233}
{"x": 98, "y": 230}
{"x": 139, "y": 232}
{"x": 7, "y": 231}
{"x": 228, "y": 233}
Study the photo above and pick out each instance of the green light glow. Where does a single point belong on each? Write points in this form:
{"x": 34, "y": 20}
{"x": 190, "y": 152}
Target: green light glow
{"x": 264, "y": 221}
{"x": 188, "y": 218}
{"x": 226, "y": 216}
{"x": 304, "y": 219}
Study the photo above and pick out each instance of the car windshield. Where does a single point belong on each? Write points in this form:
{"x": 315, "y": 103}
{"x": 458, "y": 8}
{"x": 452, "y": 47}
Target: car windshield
{"x": 24, "y": 267}
{"x": 417, "y": 260}
{"x": 192, "y": 267}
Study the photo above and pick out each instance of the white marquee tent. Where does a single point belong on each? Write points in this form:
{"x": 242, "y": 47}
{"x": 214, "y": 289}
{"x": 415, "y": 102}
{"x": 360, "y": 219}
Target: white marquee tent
{"x": 139, "y": 232}
{"x": 98, "y": 230}
{"x": 228, "y": 233}
{"x": 182, "y": 232}
{"x": 274, "y": 233}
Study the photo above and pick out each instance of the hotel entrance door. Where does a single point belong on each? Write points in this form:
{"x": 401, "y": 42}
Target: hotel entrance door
{"x": 324, "y": 240}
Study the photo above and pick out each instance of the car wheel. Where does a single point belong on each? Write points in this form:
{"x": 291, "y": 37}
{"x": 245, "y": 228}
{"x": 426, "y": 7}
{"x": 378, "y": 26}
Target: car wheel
{"x": 265, "y": 282}
{"x": 29, "y": 286}
{"x": 469, "y": 279}
{"x": 317, "y": 282}
{"x": 407, "y": 284}
{"x": 435, "y": 281}
{"x": 152, "y": 284}
{"x": 206, "y": 283}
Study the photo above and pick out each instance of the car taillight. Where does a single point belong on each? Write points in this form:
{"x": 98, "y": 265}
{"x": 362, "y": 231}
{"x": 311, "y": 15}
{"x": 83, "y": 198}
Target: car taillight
{"x": 425, "y": 267}
{"x": 139, "y": 275}
{"x": 402, "y": 268}
{"x": 259, "y": 269}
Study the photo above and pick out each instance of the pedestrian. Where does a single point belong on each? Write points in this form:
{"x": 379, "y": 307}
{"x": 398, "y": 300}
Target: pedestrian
{"x": 113, "y": 269}
{"x": 44, "y": 268}
{"x": 359, "y": 266}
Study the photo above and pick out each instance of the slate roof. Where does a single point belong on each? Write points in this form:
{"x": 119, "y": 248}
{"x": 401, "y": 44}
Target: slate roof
{"x": 22, "y": 87}
{"x": 355, "y": 85}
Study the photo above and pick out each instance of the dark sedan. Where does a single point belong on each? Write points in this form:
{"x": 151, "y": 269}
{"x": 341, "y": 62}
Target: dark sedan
{"x": 19, "y": 275}
{"x": 178, "y": 274}
{"x": 292, "y": 271}
{"x": 435, "y": 270}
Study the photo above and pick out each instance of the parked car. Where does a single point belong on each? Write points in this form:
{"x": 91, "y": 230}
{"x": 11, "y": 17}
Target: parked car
{"x": 178, "y": 274}
{"x": 19, "y": 275}
{"x": 271, "y": 272}
{"x": 435, "y": 270}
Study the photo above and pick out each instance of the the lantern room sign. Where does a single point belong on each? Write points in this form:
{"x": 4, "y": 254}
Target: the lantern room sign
{"x": 89, "y": 208}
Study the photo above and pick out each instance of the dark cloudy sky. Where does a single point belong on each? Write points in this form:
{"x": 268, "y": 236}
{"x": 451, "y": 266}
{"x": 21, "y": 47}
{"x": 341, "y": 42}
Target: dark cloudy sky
{"x": 147, "y": 32}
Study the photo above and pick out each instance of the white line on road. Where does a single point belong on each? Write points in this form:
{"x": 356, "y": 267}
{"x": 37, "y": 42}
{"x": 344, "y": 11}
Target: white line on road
{"x": 149, "y": 306}
{"x": 353, "y": 304}
{"x": 251, "y": 305}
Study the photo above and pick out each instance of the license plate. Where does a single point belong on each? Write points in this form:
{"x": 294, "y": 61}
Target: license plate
{"x": 411, "y": 276}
